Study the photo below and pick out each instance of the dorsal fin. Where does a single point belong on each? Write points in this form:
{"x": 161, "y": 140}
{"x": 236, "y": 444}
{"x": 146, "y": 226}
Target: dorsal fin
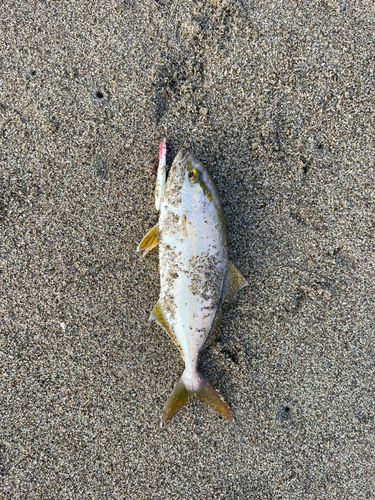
{"x": 157, "y": 315}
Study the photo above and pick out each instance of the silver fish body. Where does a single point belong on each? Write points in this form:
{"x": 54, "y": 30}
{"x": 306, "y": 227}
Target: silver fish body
{"x": 193, "y": 257}
{"x": 196, "y": 276}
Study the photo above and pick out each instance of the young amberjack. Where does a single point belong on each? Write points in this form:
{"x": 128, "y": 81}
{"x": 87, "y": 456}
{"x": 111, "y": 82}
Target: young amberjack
{"x": 196, "y": 276}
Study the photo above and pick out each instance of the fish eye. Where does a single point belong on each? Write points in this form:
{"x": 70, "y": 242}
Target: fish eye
{"x": 193, "y": 175}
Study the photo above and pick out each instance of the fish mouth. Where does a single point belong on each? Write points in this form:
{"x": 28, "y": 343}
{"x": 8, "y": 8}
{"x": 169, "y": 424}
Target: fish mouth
{"x": 179, "y": 163}
{"x": 181, "y": 155}
{"x": 181, "y": 159}
{"x": 184, "y": 161}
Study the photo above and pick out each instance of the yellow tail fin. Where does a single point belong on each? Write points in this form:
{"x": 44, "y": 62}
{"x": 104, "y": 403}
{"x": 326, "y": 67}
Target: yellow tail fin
{"x": 180, "y": 395}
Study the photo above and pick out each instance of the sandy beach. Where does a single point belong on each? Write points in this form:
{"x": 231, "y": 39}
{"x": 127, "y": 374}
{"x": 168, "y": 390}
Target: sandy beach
{"x": 278, "y": 100}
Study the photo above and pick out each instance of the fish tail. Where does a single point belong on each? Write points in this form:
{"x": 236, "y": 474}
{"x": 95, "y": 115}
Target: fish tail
{"x": 204, "y": 391}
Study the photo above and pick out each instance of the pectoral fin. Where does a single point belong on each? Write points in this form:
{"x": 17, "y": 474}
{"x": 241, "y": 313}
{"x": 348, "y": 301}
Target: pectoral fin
{"x": 234, "y": 281}
{"x": 157, "y": 315}
{"x": 149, "y": 241}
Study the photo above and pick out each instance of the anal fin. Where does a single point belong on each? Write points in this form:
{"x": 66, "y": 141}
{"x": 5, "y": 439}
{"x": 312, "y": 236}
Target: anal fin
{"x": 157, "y": 315}
{"x": 233, "y": 282}
{"x": 149, "y": 241}
{"x": 215, "y": 325}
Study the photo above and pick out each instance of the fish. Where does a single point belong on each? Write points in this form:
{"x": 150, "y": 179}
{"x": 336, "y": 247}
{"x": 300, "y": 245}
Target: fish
{"x": 196, "y": 275}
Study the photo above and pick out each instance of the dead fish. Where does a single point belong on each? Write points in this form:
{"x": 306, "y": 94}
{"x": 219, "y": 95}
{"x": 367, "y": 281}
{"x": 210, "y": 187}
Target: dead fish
{"x": 196, "y": 276}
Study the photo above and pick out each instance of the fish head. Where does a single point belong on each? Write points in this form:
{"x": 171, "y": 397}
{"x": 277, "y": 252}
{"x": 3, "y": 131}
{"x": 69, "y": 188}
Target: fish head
{"x": 190, "y": 186}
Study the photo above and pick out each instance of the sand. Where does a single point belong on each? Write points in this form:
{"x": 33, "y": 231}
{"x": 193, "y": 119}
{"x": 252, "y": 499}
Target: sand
{"x": 278, "y": 99}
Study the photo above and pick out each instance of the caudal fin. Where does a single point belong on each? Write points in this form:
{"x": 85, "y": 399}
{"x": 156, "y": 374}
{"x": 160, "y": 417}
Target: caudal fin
{"x": 206, "y": 392}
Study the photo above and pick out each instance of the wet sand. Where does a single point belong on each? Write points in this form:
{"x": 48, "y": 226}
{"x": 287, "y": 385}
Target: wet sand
{"x": 278, "y": 99}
